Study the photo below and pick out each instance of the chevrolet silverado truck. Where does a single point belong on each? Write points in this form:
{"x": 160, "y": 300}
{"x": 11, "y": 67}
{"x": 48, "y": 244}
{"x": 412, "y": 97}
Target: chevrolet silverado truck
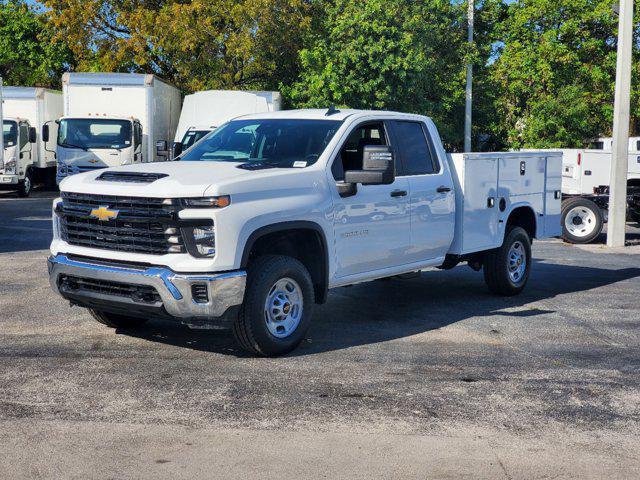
{"x": 255, "y": 223}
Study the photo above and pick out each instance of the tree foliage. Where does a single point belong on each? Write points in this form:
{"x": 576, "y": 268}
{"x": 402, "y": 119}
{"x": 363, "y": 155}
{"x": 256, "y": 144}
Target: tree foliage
{"x": 198, "y": 44}
{"x": 28, "y": 56}
{"x": 555, "y": 72}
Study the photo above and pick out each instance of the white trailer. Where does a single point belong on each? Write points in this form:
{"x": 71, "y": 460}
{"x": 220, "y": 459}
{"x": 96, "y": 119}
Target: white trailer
{"x": 113, "y": 119}
{"x": 585, "y": 189}
{"x": 25, "y": 111}
{"x": 205, "y": 111}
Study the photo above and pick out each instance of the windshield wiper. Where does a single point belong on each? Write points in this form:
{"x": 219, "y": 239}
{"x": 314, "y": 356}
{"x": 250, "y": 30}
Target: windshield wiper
{"x": 259, "y": 165}
{"x": 71, "y": 145}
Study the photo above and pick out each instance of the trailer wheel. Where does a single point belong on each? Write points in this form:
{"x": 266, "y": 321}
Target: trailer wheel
{"x": 506, "y": 268}
{"x": 277, "y": 307}
{"x": 581, "y": 220}
{"x": 114, "y": 320}
{"x": 24, "y": 187}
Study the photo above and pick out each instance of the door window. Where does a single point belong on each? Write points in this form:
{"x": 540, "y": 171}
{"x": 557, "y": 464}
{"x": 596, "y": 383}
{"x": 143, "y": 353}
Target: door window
{"x": 416, "y": 152}
{"x": 350, "y": 155}
{"x": 24, "y": 135}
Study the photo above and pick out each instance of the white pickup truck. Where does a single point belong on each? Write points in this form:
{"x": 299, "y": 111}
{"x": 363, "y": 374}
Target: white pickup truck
{"x": 254, "y": 224}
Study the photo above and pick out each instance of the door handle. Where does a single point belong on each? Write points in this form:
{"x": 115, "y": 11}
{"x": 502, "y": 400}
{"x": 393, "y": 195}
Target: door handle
{"x": 399, "y": 193}
{"x": 443, "y": 189}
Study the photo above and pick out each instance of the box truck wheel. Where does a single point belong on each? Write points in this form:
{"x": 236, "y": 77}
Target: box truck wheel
{"x": 115, "y": 320}
{"x": 277, "y": 308}
{"x": 581, "y": 220}
{"x": 506, "y": 268}
{"x": 24, "y": 186}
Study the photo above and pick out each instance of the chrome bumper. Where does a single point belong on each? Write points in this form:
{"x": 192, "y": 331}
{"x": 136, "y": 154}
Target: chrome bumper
{"x": 7, "y": 179}
{"x": 225, "y": 290}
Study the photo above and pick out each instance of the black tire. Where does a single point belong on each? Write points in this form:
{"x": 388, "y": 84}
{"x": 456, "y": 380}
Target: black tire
{"x": 496, "y": 263}
{"x": 25, "y": 186}
{"x": 592, "y": 225}
{"x": 250, "y": 328}
{"x": 114, "y": 320}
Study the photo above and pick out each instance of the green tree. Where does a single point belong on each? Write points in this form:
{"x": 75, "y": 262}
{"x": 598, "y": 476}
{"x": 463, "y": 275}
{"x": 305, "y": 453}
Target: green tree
{"x": 555, "y": 72}
{"x": 398, "y": 55}
{"x": 28, "y": 56}
{"x": 198, "y": 44}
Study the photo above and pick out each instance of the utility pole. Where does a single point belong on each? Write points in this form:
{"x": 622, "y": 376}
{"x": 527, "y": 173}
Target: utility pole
{"x": 620, "y": 149}
{"x": 1, "y": 124}
{"x": 467, "y": 103}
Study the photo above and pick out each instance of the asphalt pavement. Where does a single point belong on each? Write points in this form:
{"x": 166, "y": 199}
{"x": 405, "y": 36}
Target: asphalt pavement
{"x": 428, "y": 377}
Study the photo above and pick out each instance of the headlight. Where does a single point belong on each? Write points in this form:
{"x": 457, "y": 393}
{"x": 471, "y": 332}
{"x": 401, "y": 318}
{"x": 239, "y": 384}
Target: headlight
{"x": 207, "y": 202}
{"x": 56, "y": 219}
{"x": 10, "y": 167}
{"x": 205, "y": 240}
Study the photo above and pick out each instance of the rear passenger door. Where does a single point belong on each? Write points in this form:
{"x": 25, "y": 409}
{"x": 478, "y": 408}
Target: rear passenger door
{"x": 432, "y": 198}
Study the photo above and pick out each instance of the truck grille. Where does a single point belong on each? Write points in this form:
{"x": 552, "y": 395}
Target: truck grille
{"x": 140, "y": 225}
{"x": 137, "y": 293}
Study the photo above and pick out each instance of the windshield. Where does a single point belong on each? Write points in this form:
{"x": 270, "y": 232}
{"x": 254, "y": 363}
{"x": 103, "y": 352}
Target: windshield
{"x": 94, "y": 133}
{"x": 9, "y": 133}
{"x": 273, "y": 142}
{"x": 191, "y": 137}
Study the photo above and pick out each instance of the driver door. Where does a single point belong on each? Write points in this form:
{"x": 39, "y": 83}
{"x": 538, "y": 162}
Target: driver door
{"x": 371, "y": 227}
{"x": 24, "y": 147}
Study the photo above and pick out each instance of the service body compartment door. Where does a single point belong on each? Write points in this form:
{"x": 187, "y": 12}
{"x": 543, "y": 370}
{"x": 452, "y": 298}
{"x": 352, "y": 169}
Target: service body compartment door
{"x": 552, "y": 196}
{"x": 480, "y": 215}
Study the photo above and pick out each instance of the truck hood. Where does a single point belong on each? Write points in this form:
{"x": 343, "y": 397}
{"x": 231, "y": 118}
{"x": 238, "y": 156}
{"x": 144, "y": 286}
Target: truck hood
{"x": 91, "y": 158}
{"x": 183, "y": 179}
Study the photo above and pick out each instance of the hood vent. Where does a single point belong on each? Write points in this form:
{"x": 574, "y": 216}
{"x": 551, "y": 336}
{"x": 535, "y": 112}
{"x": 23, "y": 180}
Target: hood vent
{"x": 131, "y": 177}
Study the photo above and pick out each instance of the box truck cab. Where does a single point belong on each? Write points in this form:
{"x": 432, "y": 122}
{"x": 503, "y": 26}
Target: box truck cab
{"x": 205, "y": 111}
{"x": 113, "y": 119}
{"x": 25, "y": 159}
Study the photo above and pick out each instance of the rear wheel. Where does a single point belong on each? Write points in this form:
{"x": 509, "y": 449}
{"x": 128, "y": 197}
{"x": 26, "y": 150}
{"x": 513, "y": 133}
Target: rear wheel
{"x": 24, "y": 186}
{"x": 277, "y": 308}
{"x": 114, "y": 320}
{"x": 581, "y": 220}
{"x": 506, "y": 268}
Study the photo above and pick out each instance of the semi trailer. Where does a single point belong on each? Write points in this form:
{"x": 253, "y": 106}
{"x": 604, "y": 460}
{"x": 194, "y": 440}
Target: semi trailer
{"x": 27, "y": 160}
{"x": 204, "y": 111}
{"x": 113, "y": 119}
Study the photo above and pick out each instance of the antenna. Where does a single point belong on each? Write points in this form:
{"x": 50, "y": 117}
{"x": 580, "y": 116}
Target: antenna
{"x": 331, "y": 110}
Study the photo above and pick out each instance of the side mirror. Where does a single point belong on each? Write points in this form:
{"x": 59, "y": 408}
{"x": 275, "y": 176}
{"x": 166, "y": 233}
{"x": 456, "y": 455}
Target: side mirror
{"x": 161, "y": 148}
{"x": 177, "y": 149}
{"x": 378, "y": 167}
{"x": 32, "y": 134}
{"x": 45, "y": 133}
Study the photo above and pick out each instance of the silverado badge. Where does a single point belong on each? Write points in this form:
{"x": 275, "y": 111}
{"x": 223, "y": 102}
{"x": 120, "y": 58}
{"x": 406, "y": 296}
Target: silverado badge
{"x": 103, "y": 213}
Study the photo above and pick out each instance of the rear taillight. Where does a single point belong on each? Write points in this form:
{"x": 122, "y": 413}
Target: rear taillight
{"x": 579, "y": 159}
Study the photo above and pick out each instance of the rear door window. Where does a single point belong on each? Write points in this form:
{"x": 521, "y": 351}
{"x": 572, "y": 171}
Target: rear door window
{"x": 415, "y": 148}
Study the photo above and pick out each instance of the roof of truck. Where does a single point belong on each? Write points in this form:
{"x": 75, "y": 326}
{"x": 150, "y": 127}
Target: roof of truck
{"x": 319, "y": 114}
{"x": 115, "y": 79}
{"x": 25, "y": 92}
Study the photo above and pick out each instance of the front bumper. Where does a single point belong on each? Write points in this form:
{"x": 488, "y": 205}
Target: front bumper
{"x": 6, "y": 179}
{"x": 175, "y": 290}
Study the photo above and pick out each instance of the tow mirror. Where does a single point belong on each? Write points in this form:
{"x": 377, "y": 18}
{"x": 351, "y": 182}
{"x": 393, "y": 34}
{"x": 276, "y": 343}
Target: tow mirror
{"x": 161, "y": 148}
{"x": 177, "y": 149}
{"x": 32, "y": 134}
{"x": 45, "y": 133}
{"x": 378, "y": 167}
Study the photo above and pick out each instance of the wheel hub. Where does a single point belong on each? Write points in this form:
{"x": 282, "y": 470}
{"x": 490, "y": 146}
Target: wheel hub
{"x": 580, "y": 221}
{"x": 517, "y": 262}
{"x": 283, "y": 308}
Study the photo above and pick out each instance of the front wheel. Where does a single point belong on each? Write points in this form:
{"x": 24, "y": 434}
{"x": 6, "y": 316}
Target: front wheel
{"x": 277, "y": 308}
{"x": 581, "y": 220}
{"x": 115, "y": 320}
{"x": 24, "y": 186}
{"x": 506, "y": 268}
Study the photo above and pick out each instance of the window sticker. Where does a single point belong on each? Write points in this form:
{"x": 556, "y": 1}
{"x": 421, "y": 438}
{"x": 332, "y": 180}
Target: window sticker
{"x": 299, "y": 164}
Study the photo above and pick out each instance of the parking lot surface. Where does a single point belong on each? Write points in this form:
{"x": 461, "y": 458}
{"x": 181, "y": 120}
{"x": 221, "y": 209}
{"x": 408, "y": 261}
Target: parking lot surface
{"x": 428, "y": 377}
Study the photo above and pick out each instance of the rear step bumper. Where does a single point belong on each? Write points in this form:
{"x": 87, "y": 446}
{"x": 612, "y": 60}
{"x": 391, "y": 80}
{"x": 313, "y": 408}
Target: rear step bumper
{"x": 183, "y": 296}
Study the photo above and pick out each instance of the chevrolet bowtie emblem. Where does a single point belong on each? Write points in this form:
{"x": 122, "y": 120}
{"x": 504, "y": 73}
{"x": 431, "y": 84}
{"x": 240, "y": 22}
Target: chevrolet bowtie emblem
{"x": 104, "y": 214}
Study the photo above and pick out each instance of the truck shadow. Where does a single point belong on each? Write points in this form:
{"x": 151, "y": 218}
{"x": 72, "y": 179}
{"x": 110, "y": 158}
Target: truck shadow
{"x": 393, "y": 309}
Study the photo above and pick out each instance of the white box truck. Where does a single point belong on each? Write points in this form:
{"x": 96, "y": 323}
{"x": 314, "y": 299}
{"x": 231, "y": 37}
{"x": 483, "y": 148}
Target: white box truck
{"x": 26, "y": 159}
{"x": 585, "y": 191}
{"x": 114, "y": 119}
{"x": 204, "y": 111}
{"x": 257, "y": 221}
